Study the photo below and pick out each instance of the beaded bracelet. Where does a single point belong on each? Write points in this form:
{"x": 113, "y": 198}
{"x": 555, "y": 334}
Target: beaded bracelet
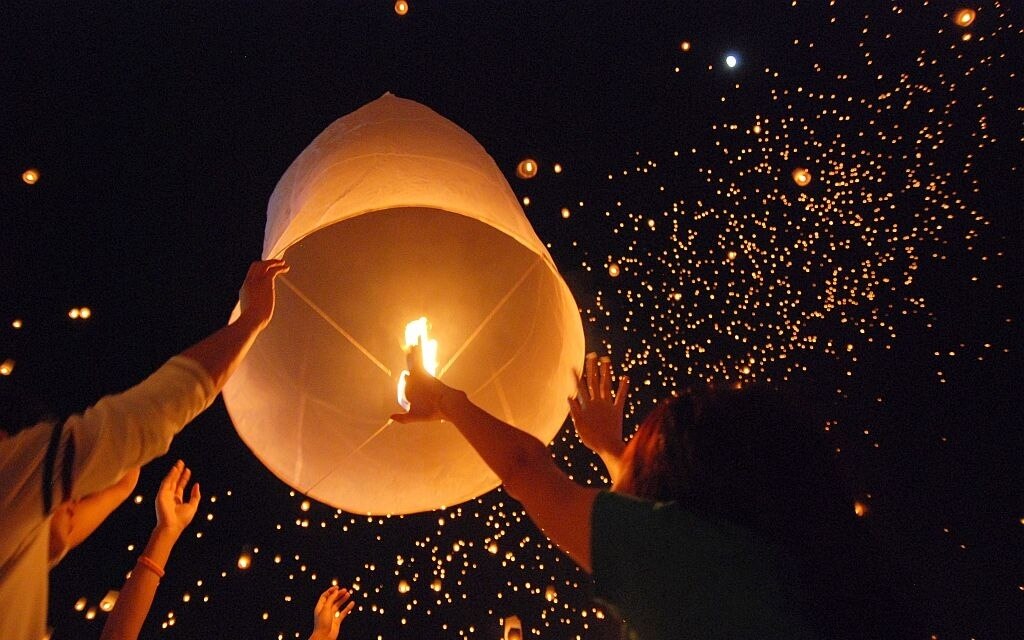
{"x": 152, "y": 566}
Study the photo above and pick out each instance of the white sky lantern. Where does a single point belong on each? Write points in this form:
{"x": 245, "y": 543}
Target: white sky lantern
{"x": 390, "y": 215}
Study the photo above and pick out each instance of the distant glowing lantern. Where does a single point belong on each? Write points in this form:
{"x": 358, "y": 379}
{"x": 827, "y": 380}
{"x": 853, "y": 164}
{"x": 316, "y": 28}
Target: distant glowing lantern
{"x": 85, "y": 313}
{"x": 965, "y": 17}
{"x": 91, "y": 613}
{"x": 757, "y": 128}
{"x": 73, "y": 313}
{"x": 244, "y": 560}
{"x": 513, "y": 628}
{"x": 436, "y": 585}
{"x": 860, "y": 508}
{"x": 557, "y": 168}
{"x": 30, "y": 176}
{"x": 401, "y": 7}
{"x": 731, "y": 61}
{"x": 16, "y": 323}
{"x": 403, "y": 586}
{"x": 565, "y": 212}
{"x": 684, "y": 45}
{"x": 108, "y": 601}
{"x": 801, "y": 176}
{"x": 613, "y": 270}
{"x": 80, "y": 604}
{"x": 394, "y": 213}
{"x": 550, "y": 593}
{"x": 731, "y": 255}
{"x": 527, "y": 168}
{"x": 7, "y": 367}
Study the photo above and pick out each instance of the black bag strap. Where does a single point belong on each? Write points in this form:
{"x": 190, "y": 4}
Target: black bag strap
{"x": 67, "y": 467}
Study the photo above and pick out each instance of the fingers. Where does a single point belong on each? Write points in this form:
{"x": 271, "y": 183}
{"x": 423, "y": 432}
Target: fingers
{"x": 604, "y": 364}
{"x": 582, "y": 393}
{"x": 179, "y": 488}
{"x": 195, "y": 496}
{"x": 575, "y": 410}
{"x": 347, "y": 610}
{"x": 170, "y": 480}
{"x": 622, "y": 393}
{"x": 591, "y": 371}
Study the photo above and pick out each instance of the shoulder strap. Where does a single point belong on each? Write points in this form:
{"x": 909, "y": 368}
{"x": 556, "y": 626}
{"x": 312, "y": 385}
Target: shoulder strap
{"x": 67, "y": 467}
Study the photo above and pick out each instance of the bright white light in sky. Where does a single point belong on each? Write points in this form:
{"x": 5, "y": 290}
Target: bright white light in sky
{"x": 731, "y": 60}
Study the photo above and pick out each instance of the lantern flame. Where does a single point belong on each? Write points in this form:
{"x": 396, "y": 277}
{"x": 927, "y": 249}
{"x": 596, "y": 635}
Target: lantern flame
{"x": 417, "y": 333}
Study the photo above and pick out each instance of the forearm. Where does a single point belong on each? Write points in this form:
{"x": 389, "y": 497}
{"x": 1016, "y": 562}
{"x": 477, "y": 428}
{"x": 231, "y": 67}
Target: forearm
{"x": 126, "y": 620}
{"x": 512, "y": 454}
{"x": 221, "y": 352}
{"x": 93, "y": 509}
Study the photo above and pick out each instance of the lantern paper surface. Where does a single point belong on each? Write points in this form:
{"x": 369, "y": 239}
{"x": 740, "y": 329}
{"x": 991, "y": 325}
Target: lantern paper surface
{"x": 391, "y": 214}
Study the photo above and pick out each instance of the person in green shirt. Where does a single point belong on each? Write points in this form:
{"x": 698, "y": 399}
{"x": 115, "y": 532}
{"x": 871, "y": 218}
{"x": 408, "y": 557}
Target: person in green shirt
{"x": 723, "y": 520}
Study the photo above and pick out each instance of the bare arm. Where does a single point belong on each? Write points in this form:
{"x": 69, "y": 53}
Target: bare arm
{"x": 222, "y": 352}
{"x": 555, "y": 503}
{"x": 173, "y": 514}
{"x": 74, "y": 521}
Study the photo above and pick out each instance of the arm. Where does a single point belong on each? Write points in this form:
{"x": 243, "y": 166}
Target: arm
{"x": 173, "y": 514}
{"x": 221, "y": 353}
{"x": 555, "y": 503}
{"x": 133, "y": 427}
{"x": 329, "y": 613}
{"x": 74, "y": 521}
{"x": 597, "y": 415}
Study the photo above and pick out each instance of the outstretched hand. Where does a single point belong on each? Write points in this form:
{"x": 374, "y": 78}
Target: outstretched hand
{"x": 597, "y": 414}
{"x": 172, "y": 510}
{"x": 422, "y": 390}
{"x": 257, "y": 294}
{"x": 330, "y": 611}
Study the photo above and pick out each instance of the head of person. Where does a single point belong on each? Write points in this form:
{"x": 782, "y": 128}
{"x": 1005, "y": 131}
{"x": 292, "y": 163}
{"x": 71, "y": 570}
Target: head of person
{"x": 749, "y": 458}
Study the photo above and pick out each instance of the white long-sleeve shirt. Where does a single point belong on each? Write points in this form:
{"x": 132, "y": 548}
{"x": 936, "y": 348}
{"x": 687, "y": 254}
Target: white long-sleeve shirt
{"x": 117, "y": 433}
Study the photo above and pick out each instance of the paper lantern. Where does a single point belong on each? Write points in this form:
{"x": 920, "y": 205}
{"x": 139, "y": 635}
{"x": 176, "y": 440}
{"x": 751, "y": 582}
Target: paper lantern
{"x": 30, "y": 176}
{"x": 527, "y": 168}
{"x": 801, "y": 176}
{"x": 393, "y": 214}
{"x": 965, "y": 17}
{"x": 401, "y": 7}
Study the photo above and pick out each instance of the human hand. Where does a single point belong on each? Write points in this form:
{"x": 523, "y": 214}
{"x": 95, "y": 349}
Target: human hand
{"x": 172, "y": 511}
{"x": 596, "y": 413}
{"x": 330, "y": 611}
{"x": 257, "y": 294}
{"x": 422, "y": 390}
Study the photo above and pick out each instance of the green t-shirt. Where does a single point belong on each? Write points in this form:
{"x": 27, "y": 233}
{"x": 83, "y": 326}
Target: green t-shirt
{"x": 671, "y": 575}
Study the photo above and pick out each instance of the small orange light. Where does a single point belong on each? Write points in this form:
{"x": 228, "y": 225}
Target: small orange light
{"x": 965, "y": 17}
{"x": 860, "y": 508}
{"x": 557, "y": 168}
{"x": 244, "y": 561}
{"x": 684, "y": 45}
{"x": 30, "y": 176}
{"x": 527, "y": 168}
{"x": 801, "y": 176}
{"x": 613, "y": 270}
{"x": 401, "y": 7}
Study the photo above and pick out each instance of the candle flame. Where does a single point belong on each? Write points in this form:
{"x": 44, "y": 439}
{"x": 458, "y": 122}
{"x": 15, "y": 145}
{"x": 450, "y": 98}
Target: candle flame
{"x": 417, "y": 333}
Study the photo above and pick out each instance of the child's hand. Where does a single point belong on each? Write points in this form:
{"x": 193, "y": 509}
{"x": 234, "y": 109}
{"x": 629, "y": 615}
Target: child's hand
{"x": 172, "y": 511}
{"x": 331, "y": 609}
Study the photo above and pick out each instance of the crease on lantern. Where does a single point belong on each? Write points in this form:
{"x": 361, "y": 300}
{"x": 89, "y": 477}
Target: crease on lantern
{"x": 445, "y": 368}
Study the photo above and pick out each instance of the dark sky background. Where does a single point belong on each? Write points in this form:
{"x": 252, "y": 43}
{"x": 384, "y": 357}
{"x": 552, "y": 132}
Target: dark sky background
{"x": 160, "y": 129}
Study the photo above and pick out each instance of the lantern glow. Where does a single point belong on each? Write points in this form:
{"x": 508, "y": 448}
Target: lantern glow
{"x": 965, "y": 17}
{"x": 30, "y": 176}
{"x": 801, "y": 176}
{"x": 527, "y": 168}
{"x": 416, "y": 333}
{"x": 401, "y": 7}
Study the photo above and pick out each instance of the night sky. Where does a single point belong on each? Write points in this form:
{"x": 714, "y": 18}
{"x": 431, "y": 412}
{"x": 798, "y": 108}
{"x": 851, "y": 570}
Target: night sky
{"x": 888, "y": 287}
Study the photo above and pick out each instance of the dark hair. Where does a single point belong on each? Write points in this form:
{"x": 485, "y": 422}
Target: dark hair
{"x": 747, "y": 457}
